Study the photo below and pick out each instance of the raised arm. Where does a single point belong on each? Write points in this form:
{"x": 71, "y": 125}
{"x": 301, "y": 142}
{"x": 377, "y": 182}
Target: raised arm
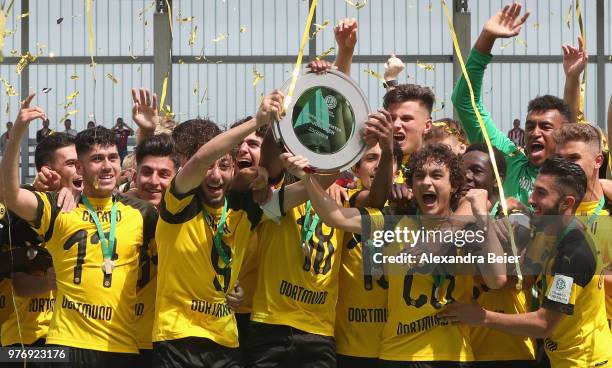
{"x": 144, "y": 113}
{"x": 346, "y": 38}
{"x": 194, "y": 171}
{"x": 331, "y": 213}
{"x": 21, "y": 201}
{"x": 504, "y": 24}
{"x": 574, "y": 62}
{"x": 380, "y": 129}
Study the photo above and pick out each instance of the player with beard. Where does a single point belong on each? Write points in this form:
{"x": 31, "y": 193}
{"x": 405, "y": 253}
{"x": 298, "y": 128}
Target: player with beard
{"x": 96, "y": 289}
{"x": 201, "y": 240}
{"x": 581, "y": 144}
{"x": 492, "y": 347}
{"x": 544, "y": 113}
{"x": 412, "y": 336}
{"x": 29, "y": 265}
{"x": 572, "y": 316}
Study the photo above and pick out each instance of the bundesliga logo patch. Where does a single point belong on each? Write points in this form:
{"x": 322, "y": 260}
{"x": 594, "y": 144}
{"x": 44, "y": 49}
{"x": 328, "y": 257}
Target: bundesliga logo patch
{"x": 561, "y": 289}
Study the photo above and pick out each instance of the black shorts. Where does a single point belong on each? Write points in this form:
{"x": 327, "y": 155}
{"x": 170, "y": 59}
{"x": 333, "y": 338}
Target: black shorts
{"x": 283, "y": 346}
{"x": 145, "y": 359}
{"x": 195, "y": 352}
{"x": 243, "y": 320}
{"x": 346, "y": 361}
{"x": 438, "y": 364}
{"x": 94, "y": 358}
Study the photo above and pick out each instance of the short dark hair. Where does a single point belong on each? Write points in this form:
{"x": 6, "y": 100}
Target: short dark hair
{"x": 88, "y": 138}
{"x": 260, "y": 132}
{"x": 499, "y": 156}
{"x": 568, "y": 175}
{"x": 160, "y": 145}
{"x": 410, "y": 92}
{"x": 192, "y": 134}
{"x": 45, "y": 150}
{"x": 438, "y": 153}
{"x": 549, "y": 102}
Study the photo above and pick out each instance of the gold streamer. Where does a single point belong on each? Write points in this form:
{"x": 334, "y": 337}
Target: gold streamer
{"x": 428, "y": 67}
{"x": 184, "y": 20}
{"x": 580, "y": 117}
{"x": 92, "y": 47}
{"x": 243, "y": 29}
{"x": 72, "y": 95}
{"x": 319, "y": 28}
{"x": 375, "y": 75}
{"x": 257, "y": 77}
{"x": 192, "y": 36}
{"x": 24, "y": 61}
{"x": 298, "y": 62}
{"x": 329, "y": 51}
{"x": 112, "y": 78}
{"x": 358, "y": 5}
{"x": 169, "y": 17}
{"x": 8, "y": 88}
{"x": 220, "y": 37}
{"x": 502, "y": 195}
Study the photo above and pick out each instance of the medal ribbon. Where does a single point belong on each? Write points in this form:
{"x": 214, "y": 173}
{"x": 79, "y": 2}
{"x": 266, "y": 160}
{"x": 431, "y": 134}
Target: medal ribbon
{"x": 595, "y": 214}
{"x": 309, "y": 225}
{"x": 219, "y": 233}
{"x": 105, "y": 244}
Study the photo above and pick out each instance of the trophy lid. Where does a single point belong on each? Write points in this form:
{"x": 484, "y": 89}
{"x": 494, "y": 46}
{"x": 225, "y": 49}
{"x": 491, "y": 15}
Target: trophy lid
{"x": 323, "y": 121}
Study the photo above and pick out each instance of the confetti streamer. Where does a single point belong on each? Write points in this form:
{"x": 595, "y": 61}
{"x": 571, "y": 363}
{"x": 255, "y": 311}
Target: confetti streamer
{"x": 72, "y": 95}
{"x": 2, "y": 30}
{"x": 325, "y": 53}
{"x": 9, "y": 32}
{"x": 14, "y": 52}
{"x": 195, "y": 89}
{"x": 205, "y": 97}
{"x": 145, "y": 9}
{"x": 66, "y": 115}
{"x": 92, "y": 47}
{"x": 24, "y": 62}
{"x": 8, "y": 88}
{"x": 243, "y": 29}
{"x": 428, "y": 67}
{"x": 536, "y": 25}
{"x": 169, "y": 17}
{"x": 358, "y": 5}
{"x": 319, "y": 28}
{"x": 298, "y": 62}
{"x": 184, "y": 20}
{"x": 568, "y": 17}
{"x": 257, "y": 77}
{"x": 59, "y": 20}
{"x": 74, "y": 77}
{"x": 220, "y": 37}
{"x": 163, "y": 94}
{"x": 68, "y": 104}
{"x": 180, "y": 61}
{"x": 24, "y": 15}
{"x": 580, "y": 114}
{"x": 192, "y": 36}
{"x": 46, "y": 90}
{"x": 132, "y": 53}
{"x": 375, "y": 75}
{"x": 504, "y": 45}
{"x": 500, "y": 188}
{"x": 112, "y": 78}
{"x": 521, "y": 42}
{"x": 442, "y": 104}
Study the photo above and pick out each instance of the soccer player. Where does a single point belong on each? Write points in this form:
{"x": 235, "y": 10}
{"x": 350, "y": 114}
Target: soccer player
{"x": 490, "y": 347}
{"x": 572, "y": 316}
{"x": 449, "y": 132}
{"x": 94, "y": 248}
{"x": 581, "y": 144}
{"x": 33, "y": 280}
{"x": 544, "y": 113}
{"x": 413, "y": 336}
{"x": 201, "y": 240}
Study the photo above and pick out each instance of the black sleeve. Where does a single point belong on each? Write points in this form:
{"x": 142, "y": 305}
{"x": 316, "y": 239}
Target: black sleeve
{"x": 244, "y": 201}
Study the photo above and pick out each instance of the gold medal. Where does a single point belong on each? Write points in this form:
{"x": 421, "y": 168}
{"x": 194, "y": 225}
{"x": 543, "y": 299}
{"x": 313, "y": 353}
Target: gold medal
{"x": 108, "y": 266}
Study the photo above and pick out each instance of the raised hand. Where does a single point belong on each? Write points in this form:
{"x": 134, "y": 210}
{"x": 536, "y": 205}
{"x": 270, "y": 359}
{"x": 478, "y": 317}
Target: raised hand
{"x": 393, "y": 67}
{"x": 27, "y": 114}
{"x": 47, "y": 180}
{"x": 144, "y": 110}
{"x": 270, "y": 108}
{"x": 379, "y": 127}
{"x": 574, "y": 59}
{"x": 295, "y": 165}
{"x": 346, "y": 33}
{"x": 506, "y": 23}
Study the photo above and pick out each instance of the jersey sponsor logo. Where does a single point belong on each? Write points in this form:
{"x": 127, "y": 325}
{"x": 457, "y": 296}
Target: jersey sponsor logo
{"x": 367, "y": 315}
{"x": 41, "y": 304}
{"x": 550, "y": 344}
{"x": 214, "y": 309}
{"x": 526, "y": 183}
{"x": 420, "y": 325}
{"x": 561, "y": 289}
{"x": 300, "y": 294}
{"x": 89, "y": 311}
{"x": 104, "y": 216}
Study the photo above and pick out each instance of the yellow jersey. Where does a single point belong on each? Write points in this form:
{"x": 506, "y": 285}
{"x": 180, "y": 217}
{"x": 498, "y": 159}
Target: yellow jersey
{"x": 248, "y": 274}
{"x": 297, "y": 286}
{"x": 193, "y": 278}
{"x": 572, "y": 284}
{"x": 93, "y": 310}
{"x": 600, "y": 228}
{"x": 361, "y": 312}
{"x": 413, "y": 332}
{"x": 489, "y": 344}
{"x": 6, "y": 299}
{"x": 146, "y": 287}
{"x": 34, "y": 315}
